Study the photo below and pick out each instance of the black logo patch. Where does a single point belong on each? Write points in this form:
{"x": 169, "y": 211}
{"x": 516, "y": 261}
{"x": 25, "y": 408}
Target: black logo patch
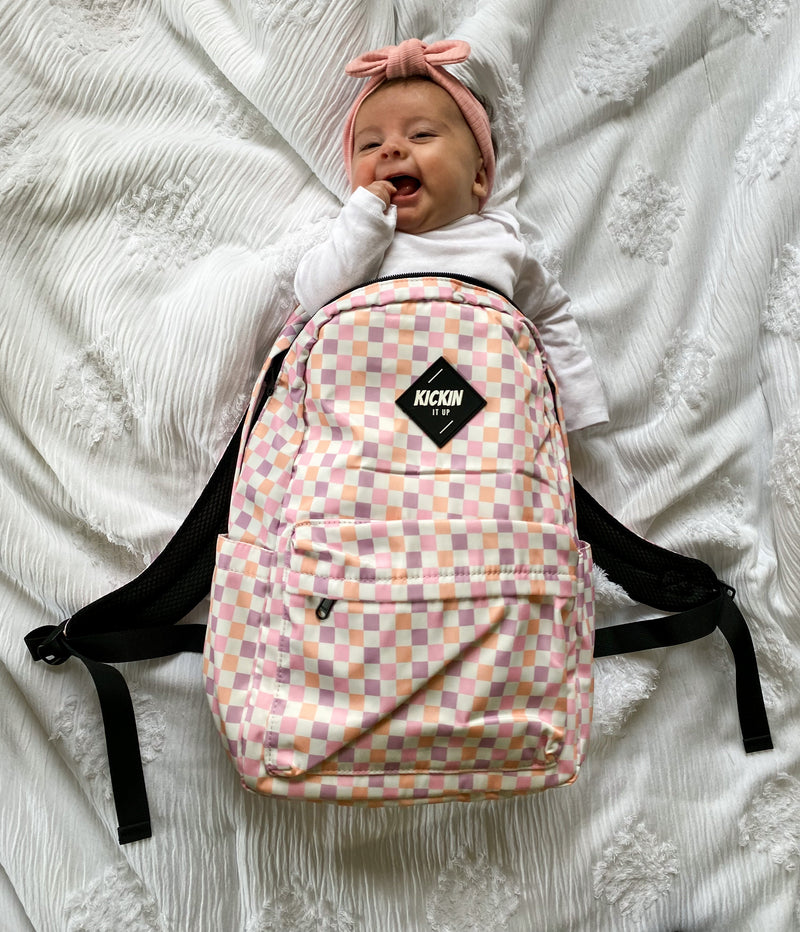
{"x": 441, "y": 402}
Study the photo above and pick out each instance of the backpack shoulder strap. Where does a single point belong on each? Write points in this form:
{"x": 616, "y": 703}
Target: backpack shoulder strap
{"x": 138, "y": 621}
{"x": 676, "y": 583}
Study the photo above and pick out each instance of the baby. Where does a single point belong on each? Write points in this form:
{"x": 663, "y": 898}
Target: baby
{"x": 418, "y": 152}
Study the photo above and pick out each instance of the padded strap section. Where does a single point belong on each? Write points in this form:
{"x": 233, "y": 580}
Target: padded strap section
{"x": 673, "y": 582}
{"x": 649, "y": 574}
{"x": 180, "y": 576}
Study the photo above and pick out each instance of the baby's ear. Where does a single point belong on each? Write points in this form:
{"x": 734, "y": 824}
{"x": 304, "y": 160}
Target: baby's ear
{"x": 480, "y": 186}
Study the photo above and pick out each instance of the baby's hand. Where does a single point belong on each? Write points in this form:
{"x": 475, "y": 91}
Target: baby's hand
{"x": 384, "y": 190}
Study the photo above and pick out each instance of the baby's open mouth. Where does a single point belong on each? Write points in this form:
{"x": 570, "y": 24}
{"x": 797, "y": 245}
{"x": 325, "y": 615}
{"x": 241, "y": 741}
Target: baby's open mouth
{"x": 405, "y": 185}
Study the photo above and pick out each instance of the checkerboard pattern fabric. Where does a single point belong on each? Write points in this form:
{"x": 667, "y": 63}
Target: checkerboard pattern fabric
{"x": 392, "y": 621}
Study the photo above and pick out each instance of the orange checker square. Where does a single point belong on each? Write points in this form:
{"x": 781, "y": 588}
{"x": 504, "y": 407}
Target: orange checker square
{"x": 397, "y": 482}
{"x": 310, "y": 651}
{"x": 494, "y": 785}
{"x": 237, "y": 631}
{"x": 404, "y": 688}
{"x": 301, "y": 743}
{"x": 487, "y": 494}
{"x": 230, "y": 662}
{"x": 404, "y": 368}
{"x": 397, "y": 543}
{"x": 348, "y": 493}
{"x": 306, "y": 504}
{"x": 445, "y": 559}
{"x": 532, "y": 657}
{"x": 348, "y": 532}
{"x": 406, "y": 337}
{"x": 356, "y": 637}
{"x": 517, "y": 743}
{"x": 468, "y": 754}
{"x": 407, "y": 781}
{"x": 431, "y": 714}
{"x": 356, "y": 702}
{"x": 377, "y": 756}
{"x": 307, "y": 713}
{"x": 282, "y": 460}
{"x": 356, "y": 407}
{"x": 311, "y": 680}
{"x": 490, "y": 435}
{"x": 399, "y": 454}
{"x": 356, "y": 671}
{"x": 261, "y": 429}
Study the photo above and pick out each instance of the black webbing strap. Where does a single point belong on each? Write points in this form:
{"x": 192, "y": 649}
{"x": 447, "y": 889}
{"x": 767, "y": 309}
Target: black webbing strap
{"x": 672, "y": 582}
{"x": 138, "y": 621}
{"x": 97, "y": 652}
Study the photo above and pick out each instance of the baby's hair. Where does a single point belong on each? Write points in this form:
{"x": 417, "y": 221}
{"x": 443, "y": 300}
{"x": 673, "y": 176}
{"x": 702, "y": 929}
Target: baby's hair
{"x": 483, "y": 101}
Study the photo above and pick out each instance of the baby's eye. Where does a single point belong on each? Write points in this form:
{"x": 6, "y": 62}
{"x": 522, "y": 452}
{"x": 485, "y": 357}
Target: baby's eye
{"x": 423, "y": 135}
{"x": 368, "y": 145}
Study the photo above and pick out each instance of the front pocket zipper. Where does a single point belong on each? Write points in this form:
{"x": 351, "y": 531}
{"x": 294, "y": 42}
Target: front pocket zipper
{"x": 324, "y": 608}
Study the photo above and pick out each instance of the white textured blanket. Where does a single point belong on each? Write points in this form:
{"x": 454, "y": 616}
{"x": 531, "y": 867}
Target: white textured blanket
{"x": 163, "y": 165}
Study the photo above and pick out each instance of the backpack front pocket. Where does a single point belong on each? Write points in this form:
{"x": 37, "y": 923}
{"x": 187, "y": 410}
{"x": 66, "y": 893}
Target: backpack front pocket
{"x": 425, "y": 647}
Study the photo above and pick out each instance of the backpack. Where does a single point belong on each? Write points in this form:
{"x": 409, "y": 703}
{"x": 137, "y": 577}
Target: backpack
{"x": 401, "y": 596}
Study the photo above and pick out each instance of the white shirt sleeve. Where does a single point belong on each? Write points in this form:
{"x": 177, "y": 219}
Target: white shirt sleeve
{"x": 351, "y": 255}
{"x": 544, "y": 301}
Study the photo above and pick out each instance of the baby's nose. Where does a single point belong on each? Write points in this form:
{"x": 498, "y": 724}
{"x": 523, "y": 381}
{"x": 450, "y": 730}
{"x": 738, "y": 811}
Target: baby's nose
{"x": 393, "y": 148}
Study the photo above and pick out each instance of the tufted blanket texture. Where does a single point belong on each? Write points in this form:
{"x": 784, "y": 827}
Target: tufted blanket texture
{"x": 163, "y": 166}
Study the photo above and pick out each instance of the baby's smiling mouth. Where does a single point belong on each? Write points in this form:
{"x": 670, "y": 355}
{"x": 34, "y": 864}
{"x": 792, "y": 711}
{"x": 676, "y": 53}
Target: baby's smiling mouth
{"x": 405, "y": 185}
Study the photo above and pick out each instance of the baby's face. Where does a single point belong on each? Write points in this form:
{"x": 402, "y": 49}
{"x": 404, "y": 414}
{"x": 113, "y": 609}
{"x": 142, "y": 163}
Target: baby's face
{"x": 413, "y": 134}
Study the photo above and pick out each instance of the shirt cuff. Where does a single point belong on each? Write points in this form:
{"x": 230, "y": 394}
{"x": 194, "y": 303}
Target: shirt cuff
{"x": 372, "y": 204}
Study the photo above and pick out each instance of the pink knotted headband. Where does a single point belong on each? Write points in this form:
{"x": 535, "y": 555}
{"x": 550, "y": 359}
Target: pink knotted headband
{"x": 416, "y": 59}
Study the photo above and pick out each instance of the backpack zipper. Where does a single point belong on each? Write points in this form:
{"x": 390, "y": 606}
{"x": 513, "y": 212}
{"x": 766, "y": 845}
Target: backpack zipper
{"x": 324, "y": 608}
{"x": 388, "y": 278}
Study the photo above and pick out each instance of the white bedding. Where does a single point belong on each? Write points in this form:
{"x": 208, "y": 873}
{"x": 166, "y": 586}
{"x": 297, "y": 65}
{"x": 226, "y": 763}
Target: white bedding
{"x": 163, "y": 165}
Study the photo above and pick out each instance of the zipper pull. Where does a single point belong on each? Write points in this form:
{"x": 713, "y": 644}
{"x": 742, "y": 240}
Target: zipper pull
{"x": 324, "y": 608}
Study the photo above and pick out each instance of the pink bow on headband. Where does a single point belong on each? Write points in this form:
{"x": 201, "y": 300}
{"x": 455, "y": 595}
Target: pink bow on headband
{"x": 409, "y": 59}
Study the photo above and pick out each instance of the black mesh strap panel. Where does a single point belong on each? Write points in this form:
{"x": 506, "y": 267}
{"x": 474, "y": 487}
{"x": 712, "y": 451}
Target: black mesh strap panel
{"x": 672, "y": 582}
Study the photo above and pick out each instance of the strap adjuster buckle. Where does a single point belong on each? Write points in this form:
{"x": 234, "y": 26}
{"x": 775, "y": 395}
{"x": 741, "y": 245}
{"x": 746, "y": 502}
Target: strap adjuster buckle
{"x": 53, "y": 649}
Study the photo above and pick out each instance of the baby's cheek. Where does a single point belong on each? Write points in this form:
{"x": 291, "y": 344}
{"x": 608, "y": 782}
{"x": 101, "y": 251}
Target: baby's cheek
{"x": 361, "y": 176}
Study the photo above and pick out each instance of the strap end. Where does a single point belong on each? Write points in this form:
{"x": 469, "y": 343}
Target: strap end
{"x": 756, "y": 743}
{"x": 136, "y": 832}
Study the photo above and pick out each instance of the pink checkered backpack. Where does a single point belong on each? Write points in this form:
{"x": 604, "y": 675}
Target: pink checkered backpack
{"x": 401, "y": 599}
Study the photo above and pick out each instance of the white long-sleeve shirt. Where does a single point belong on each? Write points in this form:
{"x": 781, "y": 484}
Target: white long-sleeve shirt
{"x": 363, "y": 244}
